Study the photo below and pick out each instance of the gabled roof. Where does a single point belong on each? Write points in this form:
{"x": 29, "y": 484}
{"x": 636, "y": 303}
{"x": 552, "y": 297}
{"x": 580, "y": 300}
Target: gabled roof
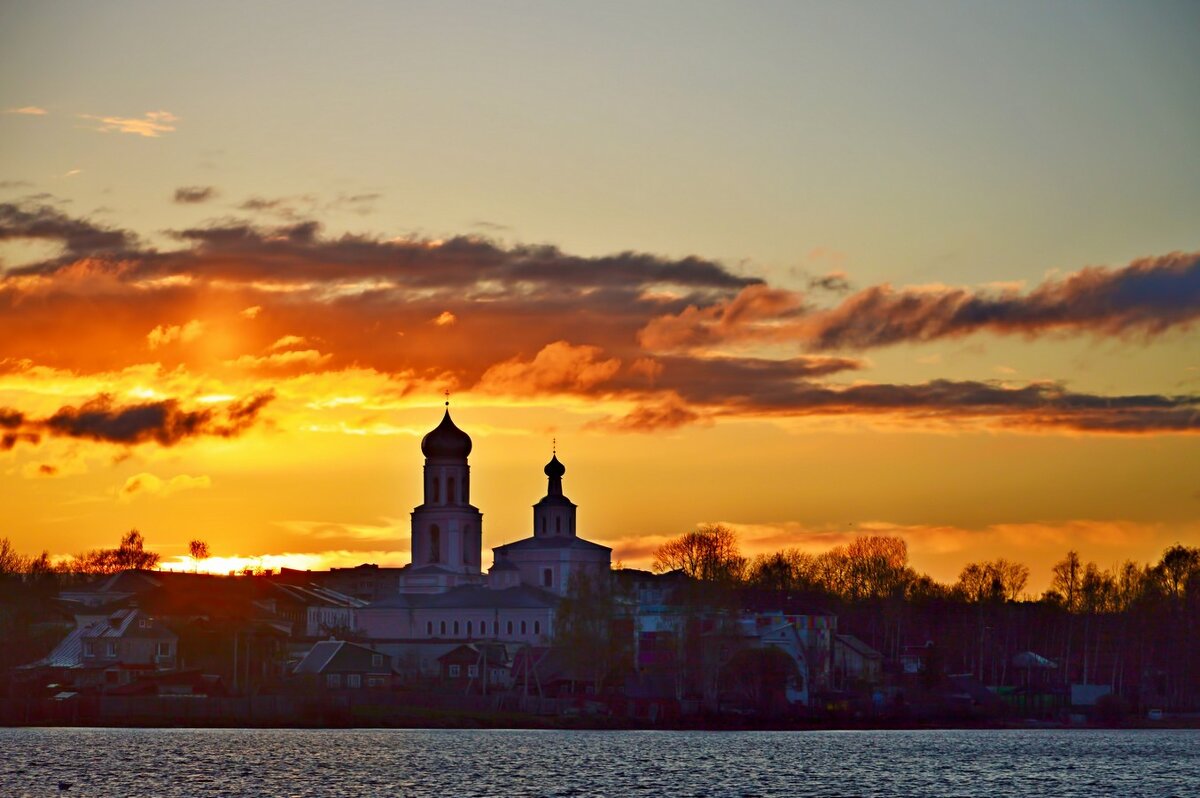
{"x": 338, "y": 655}
{"x": 550, "y": 542}
{"x": 859, "y": 647}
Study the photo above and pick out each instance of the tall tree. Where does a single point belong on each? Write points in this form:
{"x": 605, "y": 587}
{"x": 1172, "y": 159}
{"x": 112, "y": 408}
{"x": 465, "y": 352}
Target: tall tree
{"x": 709, "y": 554}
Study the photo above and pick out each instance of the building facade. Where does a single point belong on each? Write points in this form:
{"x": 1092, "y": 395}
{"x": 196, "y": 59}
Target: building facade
{"x": 444, "y": 597}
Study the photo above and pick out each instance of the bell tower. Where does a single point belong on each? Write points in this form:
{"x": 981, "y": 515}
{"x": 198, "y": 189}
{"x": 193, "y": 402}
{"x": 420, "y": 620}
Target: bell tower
{"x": 446, "y": 527}
{"x": 554, "y": 515}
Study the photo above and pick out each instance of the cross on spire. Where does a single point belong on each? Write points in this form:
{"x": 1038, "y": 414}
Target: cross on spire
{"x": 447, "y": 395}
{"x": 554, "y": 446}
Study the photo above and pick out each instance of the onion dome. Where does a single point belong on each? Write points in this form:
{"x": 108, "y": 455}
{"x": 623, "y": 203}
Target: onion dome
{"x": 446, "y": 441}
{"x": 555, "y": 469}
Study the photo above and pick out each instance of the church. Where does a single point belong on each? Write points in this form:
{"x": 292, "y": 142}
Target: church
{"x": 444, "y": 595}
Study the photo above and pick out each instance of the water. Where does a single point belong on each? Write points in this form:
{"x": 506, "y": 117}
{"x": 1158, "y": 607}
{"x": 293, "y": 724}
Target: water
{"x": 451, "y": 763}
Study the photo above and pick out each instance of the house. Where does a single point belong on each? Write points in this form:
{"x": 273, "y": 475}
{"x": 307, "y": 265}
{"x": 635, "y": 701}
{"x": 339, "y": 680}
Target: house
{"x": 340, "y": 665}
{"x": 113, "y": 649}
{"x": 855, "y": 663}
{"x": 463, "y": 668}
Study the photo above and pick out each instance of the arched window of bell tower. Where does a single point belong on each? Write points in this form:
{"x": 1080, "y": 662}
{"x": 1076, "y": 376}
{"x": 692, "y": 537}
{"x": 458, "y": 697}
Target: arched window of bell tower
{"x": 450, "y": 497}
{"x": 558, "y": 524}
{"x": 437, "y": 489}
{"x": 435, "y": 544}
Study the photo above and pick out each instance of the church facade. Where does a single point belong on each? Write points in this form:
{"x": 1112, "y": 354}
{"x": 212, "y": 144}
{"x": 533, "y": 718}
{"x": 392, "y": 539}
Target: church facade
{"x": 444, "y": 595}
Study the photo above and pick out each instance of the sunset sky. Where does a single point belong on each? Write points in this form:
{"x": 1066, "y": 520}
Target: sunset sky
{"x": 808, "y": 269}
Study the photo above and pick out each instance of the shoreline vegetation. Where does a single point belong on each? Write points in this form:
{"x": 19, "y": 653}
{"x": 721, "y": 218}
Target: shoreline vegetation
{"x": 873, "y": 644}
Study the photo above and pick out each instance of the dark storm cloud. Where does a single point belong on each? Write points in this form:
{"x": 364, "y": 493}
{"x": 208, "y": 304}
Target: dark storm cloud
{"x": 1148, "y": 296}
{"x": 192, "y": 195}
{"x": 79, "y": 236}
{"x": 164, "y": 422}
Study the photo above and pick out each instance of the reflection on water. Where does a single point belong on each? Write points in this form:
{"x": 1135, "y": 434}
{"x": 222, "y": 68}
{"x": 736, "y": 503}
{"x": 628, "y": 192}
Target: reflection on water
{"x": 447, "y": 763}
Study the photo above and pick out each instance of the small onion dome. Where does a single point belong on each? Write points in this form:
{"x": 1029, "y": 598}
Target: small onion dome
{"x": 555, "y": 469}
{"x": 446, "y": 441}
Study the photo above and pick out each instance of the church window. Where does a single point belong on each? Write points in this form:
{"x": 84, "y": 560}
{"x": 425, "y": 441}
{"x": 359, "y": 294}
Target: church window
{"x": 437, "y": 489}
{"x": 456, "y": 627}
{"x": 450, "y": 497}
{"x": 543, "y": 525}
{"x": 429, "y": 628}
{"x": 442, "y": 628}
{"x": 435, "y": 544}
{"x": 510, "y": 627}
{"x": 466, "y": 491}
{"x": 468, "y": 628}
{"x": 558, "y": 524}
{"x": 537, "y": 627}
{"x": 547, "y": 577}
{"x": 482, "y": 628}
{"x": 522, "y": 627}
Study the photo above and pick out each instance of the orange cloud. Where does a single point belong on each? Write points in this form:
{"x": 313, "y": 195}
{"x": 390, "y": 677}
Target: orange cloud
{"x": 184, "y": 333}
{"x": 557, "y": 367}
{"x": 146, "y": 484}
{"x": 152, "y": 124}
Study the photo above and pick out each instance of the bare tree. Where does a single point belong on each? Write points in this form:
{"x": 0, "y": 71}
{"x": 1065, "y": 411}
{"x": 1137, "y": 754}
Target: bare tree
{"x": 710, "y": 554}
{"x": 198, "y": 551}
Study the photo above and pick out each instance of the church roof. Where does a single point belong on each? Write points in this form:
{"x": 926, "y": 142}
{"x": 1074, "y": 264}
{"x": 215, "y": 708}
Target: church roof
{"x": 446, "y": 441}
{"x": 471, "y": 597}
{"x": 550, "y": 542}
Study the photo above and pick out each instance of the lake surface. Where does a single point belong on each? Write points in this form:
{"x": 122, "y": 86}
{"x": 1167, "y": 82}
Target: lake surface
{"x": 450, "y": 763}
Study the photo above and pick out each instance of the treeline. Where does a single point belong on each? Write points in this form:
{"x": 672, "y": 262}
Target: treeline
{"x": 877, "y": 567}
{"x": 1134, "y": 626}
{"x": 131, "y": 554}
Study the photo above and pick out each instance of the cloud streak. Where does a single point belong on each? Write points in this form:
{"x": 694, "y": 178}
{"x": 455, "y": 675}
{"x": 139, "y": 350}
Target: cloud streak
{"x": 1143, "y": 299}
{"x": 151, "y": 124}
{"x": 165, "y": 422}
{"x": 664, "y": 342}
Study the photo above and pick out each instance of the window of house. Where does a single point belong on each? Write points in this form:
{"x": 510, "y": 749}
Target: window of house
{"x": 510, "y": 627}
{"x": 442, "y": 628}
{"x": 456, "y": 627}
{"x": 376, "y": 660}
{"x": 453, "y": 671}
{"x": 537, "y": 627}
{"x": 547, "y": 577}
{"x": 164, "y": 649}
{"x": 110, "y": 649}
{"x": 354, "y": 680}
{"x": 333, "y": 680}
{"x": 435, "y": 543}
{"x": 89, "y": 648}
{"x": 374, "y": 681}
{"x": 522, "y": 627}
{"x": 473, "y": 671}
